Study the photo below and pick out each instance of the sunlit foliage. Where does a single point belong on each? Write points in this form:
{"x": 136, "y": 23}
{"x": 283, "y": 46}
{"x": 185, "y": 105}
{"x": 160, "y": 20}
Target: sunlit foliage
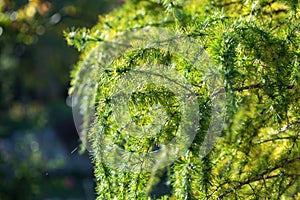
{"x": 256, "y": 44}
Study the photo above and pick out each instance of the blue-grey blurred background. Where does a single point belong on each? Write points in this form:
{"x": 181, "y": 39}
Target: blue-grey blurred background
{"x": 38, "y": 140}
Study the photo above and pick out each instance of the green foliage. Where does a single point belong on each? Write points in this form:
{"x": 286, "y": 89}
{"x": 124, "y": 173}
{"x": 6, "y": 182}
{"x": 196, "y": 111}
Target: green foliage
{"x": 256, "y": 44}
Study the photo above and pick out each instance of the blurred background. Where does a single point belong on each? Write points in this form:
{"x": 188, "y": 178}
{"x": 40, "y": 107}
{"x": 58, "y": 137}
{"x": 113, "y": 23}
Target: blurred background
{"x": 38, "y": 140}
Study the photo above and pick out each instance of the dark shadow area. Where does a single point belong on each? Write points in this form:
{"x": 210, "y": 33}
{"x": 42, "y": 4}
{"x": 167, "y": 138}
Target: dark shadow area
{"x": 39, "y": 156}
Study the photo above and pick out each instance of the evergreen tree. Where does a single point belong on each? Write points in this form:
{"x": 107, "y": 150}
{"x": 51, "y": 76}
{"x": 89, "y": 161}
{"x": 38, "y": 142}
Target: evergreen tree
{"x": 254, "y": 45}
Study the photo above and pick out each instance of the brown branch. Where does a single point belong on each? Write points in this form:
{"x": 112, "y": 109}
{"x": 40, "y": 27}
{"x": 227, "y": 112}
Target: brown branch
{"x": 254, "y": 179}
{"x": 278, "y": 138}
{"x": 259, "y": 86}
{"x": 261, "y": 176}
